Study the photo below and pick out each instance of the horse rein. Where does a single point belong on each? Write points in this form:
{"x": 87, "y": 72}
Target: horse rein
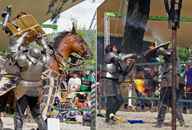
{"x": 57, "y": 58}
{"x": 84, "y": 49}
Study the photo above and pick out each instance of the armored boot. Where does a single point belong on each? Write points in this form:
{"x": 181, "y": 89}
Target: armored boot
{"x": 18, "y": 122}
{"x": 39, "y": 119}
{"x": 119, "y": 102}
{"x": 180, "y": 117}
{"x": 161, "y": 116}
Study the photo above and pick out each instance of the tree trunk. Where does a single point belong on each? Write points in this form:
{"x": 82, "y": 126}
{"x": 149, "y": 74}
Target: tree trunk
{"x": 137, "y": 16}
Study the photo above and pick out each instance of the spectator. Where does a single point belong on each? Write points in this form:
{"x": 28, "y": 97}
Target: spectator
{"x": 56, "y": 104}
{"x": 72, "y": 114}
{"x": 66, "y": 104}
{"x": 63, "y": 84}
{"x": 147, "y": 75}
{"x": 188, "y": 84}
{"x": 86, "y": 82}
{"x": 79, "y": 104}
{"x": 156, "y": 71}
{"x": 63, "y": 98}
{"x": 181, "y": 89}
{"x": 74, "y": 83}
{"x": 80, "y": 74}
{"x": 70, "y": 75}
{"x": 87, "y": 105}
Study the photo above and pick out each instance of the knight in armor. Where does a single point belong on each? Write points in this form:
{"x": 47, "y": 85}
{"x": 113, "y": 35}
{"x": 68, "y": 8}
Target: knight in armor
{"x": 32, "y": 63}
{"x": 109, "y": 85}
{"x": 166, "y": 83}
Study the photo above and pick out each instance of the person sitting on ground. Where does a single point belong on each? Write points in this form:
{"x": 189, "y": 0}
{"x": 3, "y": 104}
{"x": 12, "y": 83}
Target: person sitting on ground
{"x": 72, "y": 114}
{"x": 66, "y": 104}
{"x": 56, "y": 104}
{"x": 87, "y": 105}
{"x": 74, "y": 83}
{"x": 79, "y": 104}
{"x": 63, "y": 98}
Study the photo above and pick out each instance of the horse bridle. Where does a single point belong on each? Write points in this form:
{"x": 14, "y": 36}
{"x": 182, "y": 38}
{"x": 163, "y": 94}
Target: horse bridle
{"x": 84, "y": 52}
{"x": 84, "y": 49}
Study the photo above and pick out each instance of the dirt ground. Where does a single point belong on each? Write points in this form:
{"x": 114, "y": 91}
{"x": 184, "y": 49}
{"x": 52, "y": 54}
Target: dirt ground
{"x": 149, "y": 119}
{"x": 9, "y": 125}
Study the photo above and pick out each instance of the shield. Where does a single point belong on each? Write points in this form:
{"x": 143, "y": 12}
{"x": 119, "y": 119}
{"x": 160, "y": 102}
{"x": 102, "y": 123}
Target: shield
{"x": 127, "y": 72}
{"x": 152, "y": 52}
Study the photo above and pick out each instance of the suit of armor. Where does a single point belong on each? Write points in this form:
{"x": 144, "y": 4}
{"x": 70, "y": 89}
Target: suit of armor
{"x": 166, "y": 87}
{"x": 32, "y": 63}
{"x": 109, "y": 85}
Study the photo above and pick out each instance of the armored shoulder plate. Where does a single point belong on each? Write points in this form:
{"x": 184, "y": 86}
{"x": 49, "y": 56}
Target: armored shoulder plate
{"x": 21, "y": 60}
{"x": 109, "y": 56}
{"x": 46, "y": 59}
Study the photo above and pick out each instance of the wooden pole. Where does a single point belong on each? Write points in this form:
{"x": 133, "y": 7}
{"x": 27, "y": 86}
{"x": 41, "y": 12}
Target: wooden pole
{"x": 174, "y": 77}
{"x": 100, "y": 70}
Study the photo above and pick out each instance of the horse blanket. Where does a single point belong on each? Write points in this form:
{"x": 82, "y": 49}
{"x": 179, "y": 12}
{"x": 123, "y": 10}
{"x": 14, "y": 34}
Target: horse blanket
{"x": 50, "y": 86}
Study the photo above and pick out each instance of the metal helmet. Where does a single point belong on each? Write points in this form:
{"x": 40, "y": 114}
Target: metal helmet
{"x": 34, "y": 54}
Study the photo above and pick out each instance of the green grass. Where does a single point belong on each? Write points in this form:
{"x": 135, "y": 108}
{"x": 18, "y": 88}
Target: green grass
{"x": 12, "y": 116}
{"x": 72, "y": 122}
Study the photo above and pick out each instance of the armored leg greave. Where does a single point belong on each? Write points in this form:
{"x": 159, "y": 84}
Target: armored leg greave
{"x": 161, "y": 113}
{"x": 119, "y": 102}
{"x": 18, "y": 122}
{"x": 39, "y": 119}
{"x": 180, "y": 116}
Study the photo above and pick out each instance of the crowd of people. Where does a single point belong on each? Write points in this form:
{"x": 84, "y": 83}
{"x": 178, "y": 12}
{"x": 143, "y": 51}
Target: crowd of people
{"x": 76, "y": 81}
{"x": 74, "y": 92}
{"x": 74, "y": 101}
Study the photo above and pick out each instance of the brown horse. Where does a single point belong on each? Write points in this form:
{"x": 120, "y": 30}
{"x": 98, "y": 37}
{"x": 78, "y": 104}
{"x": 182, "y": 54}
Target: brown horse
{"x": 63, "y": 46}
{"x": 67, "y": 43}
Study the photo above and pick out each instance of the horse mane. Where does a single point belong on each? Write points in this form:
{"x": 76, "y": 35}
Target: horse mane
{"x": 58, "y": 39}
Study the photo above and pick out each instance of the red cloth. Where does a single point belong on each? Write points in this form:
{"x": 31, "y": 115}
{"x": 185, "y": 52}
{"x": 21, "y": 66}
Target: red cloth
{"x": 188, "y": 89}
{"x": 80, "y": 105}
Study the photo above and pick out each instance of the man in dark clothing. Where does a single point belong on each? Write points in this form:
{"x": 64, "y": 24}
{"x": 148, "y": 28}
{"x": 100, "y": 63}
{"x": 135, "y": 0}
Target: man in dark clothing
{"x": 166, "y": 83}
{"x": 109, "y": 85}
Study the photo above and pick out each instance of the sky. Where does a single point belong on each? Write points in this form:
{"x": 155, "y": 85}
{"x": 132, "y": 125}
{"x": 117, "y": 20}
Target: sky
{"x": 82, "y": 12}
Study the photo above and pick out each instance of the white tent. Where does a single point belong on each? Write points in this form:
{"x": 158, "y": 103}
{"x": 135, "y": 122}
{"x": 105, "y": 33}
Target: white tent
{"x": 155, "y": 30}
{"x": 37, "y": 8}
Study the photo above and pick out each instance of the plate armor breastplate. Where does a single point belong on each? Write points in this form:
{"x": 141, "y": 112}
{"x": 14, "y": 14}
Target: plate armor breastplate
{"x": 109, "y": 71}
{"x": 32, "y": 72}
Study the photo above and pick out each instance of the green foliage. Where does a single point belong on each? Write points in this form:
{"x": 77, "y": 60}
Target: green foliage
{"x": 12, "y": 116}
{"x": 74, "y": 22}
{"x": 2, "y": 53}
{"x": 34, "y": 44}
{"x": 182, "y": 54}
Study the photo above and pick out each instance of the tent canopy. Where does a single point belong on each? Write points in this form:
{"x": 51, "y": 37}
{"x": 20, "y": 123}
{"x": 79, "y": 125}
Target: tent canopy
{"x": 37, "y": 8}
{"x": 156, "y": 30}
